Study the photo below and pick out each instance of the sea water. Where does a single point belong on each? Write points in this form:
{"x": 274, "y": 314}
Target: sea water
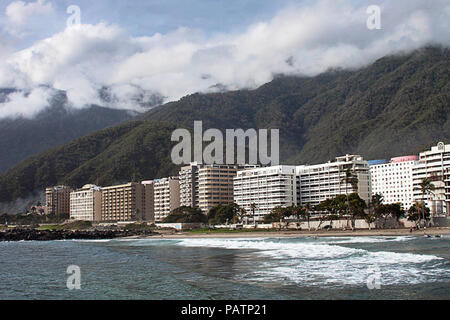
{"x": 213, "y": 268}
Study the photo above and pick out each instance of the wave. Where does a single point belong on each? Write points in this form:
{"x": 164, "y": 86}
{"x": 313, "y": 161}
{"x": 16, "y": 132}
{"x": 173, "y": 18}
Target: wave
{"x": 317, "y": 263}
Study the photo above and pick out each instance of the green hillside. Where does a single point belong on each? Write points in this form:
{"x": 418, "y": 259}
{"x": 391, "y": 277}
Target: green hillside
{"x": 398, "y": 105}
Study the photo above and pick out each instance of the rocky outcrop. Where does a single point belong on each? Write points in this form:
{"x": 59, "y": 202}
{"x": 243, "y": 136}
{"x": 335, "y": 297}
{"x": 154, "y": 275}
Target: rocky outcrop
{"x": 47, "y": 235}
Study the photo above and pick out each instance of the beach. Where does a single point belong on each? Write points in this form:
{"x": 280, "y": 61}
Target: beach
{"x": 296, "y": 234}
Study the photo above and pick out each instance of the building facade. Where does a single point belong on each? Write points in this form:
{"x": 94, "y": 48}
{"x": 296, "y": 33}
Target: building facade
{"x": 166, "y": 197}
{"x": 86, "y": 203}
{"x": 127, "y": 202}
{"x": 447, "y": 190}
{"x": 215, "y": 185}
{"x": 188, "y": 176}
{"x": 433, "y": 164}
{"x": 393, "y": 179}
{"x": 263, "y": 189}
{"x": 317, "y": 183}
{"x": 58, "y": 200}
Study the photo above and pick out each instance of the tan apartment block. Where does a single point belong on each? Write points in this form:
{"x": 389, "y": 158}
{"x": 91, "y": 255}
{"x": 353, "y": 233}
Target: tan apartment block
{"x": 127, "y": 202}
{"x": 166, "y": 197}
{"x": 215, "y": 185}
{"x": 86, "y": 203}
{"x": 58, "y": 200}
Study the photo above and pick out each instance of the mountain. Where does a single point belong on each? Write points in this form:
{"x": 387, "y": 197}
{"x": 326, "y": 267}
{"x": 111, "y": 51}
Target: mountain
{"x": 398, "y": 105}
{"x": 58, "y": 124}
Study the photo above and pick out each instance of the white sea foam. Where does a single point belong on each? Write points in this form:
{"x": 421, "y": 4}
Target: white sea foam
{"x": 317, "y": 263}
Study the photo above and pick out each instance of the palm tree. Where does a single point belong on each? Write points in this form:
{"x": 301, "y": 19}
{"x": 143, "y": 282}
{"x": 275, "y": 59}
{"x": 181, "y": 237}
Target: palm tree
{"x": 307, "y": 207}
{"x": 352, "y": 179}
{"x": 240, "y": 214}
{"x": 253, "y": 207}
{"x": 426, "y": 187}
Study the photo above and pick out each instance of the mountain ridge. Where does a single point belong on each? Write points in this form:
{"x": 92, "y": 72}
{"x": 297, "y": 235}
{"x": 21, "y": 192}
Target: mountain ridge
{"x": 398, "y": 105}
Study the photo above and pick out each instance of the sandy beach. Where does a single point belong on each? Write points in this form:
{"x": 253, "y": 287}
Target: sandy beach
{"x": 296, "y": 234}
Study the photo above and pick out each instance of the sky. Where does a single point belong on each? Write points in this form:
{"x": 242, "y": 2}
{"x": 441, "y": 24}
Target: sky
{"x": 139, "y": 48}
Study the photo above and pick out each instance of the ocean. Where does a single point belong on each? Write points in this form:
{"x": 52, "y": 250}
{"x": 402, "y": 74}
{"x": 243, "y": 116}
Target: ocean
{"x": 403, "y": 267}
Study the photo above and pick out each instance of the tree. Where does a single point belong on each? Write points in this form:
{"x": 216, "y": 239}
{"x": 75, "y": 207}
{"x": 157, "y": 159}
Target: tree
{"x": 240, "y": 214}
{"x": 357, "y": 207}
{"x": 221, "y": 214}
{"x": 426, "y": 187}
{"x": 370, "y": 218}
{"x": 276, "y": 215}
{"x": 253, "y": 208}
{"x": 415, "y": 212}
{"x": 307, "y": 210}
{"x": 186, "y": 215}
{"x": 350, "y": 179}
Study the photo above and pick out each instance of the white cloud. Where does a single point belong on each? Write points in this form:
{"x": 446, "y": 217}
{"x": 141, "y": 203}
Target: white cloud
{"x": 26, "y": 104}
{"x": 19, "y": 13}
{"x": 313, "y": 38}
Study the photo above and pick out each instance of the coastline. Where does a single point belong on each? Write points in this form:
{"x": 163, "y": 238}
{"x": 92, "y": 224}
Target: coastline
{"x": 297, "y": 234}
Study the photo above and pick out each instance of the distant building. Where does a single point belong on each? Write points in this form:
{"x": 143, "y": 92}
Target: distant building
{"x": 433, "y": 164}
{"x": 265, "y": 189}
{"x": 166, "y": 197}
{"x": 393, "y": 179}
{"x": 127, "y": 202}
{"x": 447, "y": 189}
{"x": 319, "y": 182}
{"x": 215, "y": 185}
{"x": 58, "y": 200}
{"x": 206, "y": 186}
{"x": 86, "y": 203}
{"x": 188, "y": 176}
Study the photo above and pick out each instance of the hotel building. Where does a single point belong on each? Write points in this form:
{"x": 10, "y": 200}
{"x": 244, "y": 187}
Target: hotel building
{"x": 317, "y": 183}
{"x": 433, "y": 164}
{"x": 215, "y": 185}
{"x": 127, "y": 202}
{"x": 265, "y": 188}
{"x": 189, "y": 185}
{"x": 86, "y": 203}
{"x": 58, "y": 200}
{"x": 447, "y": 189}
{"x": 393, "y": 179}
{"x": 166, "y": 197}
{"x": 206, "y": 186}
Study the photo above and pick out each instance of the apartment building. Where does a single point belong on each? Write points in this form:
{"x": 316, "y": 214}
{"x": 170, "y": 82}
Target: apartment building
{"x": 58, "y": 200}
{"x": 188, "y": 176}
{"x": 393, "y": 179}
{"x": 317, "y": 183}
{"x": 86, "y": 203}
{"x": 262, "y": 189}
{"x": 215, "y": 185}
{"x": 447, "y": 190}
{"x": 433, "y": 164}
{"x": 127, "y": 202}
{"x": 166, "y": 197}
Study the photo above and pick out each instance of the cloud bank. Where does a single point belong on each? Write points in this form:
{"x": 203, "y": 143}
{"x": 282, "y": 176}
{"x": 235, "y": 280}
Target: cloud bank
{"x": 19, "y": 14}
{"x": 303, "y": 40}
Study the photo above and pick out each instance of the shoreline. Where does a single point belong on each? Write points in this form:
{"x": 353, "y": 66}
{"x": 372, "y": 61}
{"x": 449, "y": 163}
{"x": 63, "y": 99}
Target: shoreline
{"x": 298, "y": 234}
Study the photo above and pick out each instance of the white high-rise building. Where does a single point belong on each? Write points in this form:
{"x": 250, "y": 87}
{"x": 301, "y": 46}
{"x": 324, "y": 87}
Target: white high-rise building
{"x": 433, "y": 164}
{"x": 86, "y": 203}
{"x": 393, "y": 179}
{"x": 265, "y": 188}
{"x": 317, "y": 183}
{"x": 189, "y": 185}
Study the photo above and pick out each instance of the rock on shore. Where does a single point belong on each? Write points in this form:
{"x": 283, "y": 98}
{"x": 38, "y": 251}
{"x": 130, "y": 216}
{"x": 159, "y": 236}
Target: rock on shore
{"x": 47, "y": 235}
